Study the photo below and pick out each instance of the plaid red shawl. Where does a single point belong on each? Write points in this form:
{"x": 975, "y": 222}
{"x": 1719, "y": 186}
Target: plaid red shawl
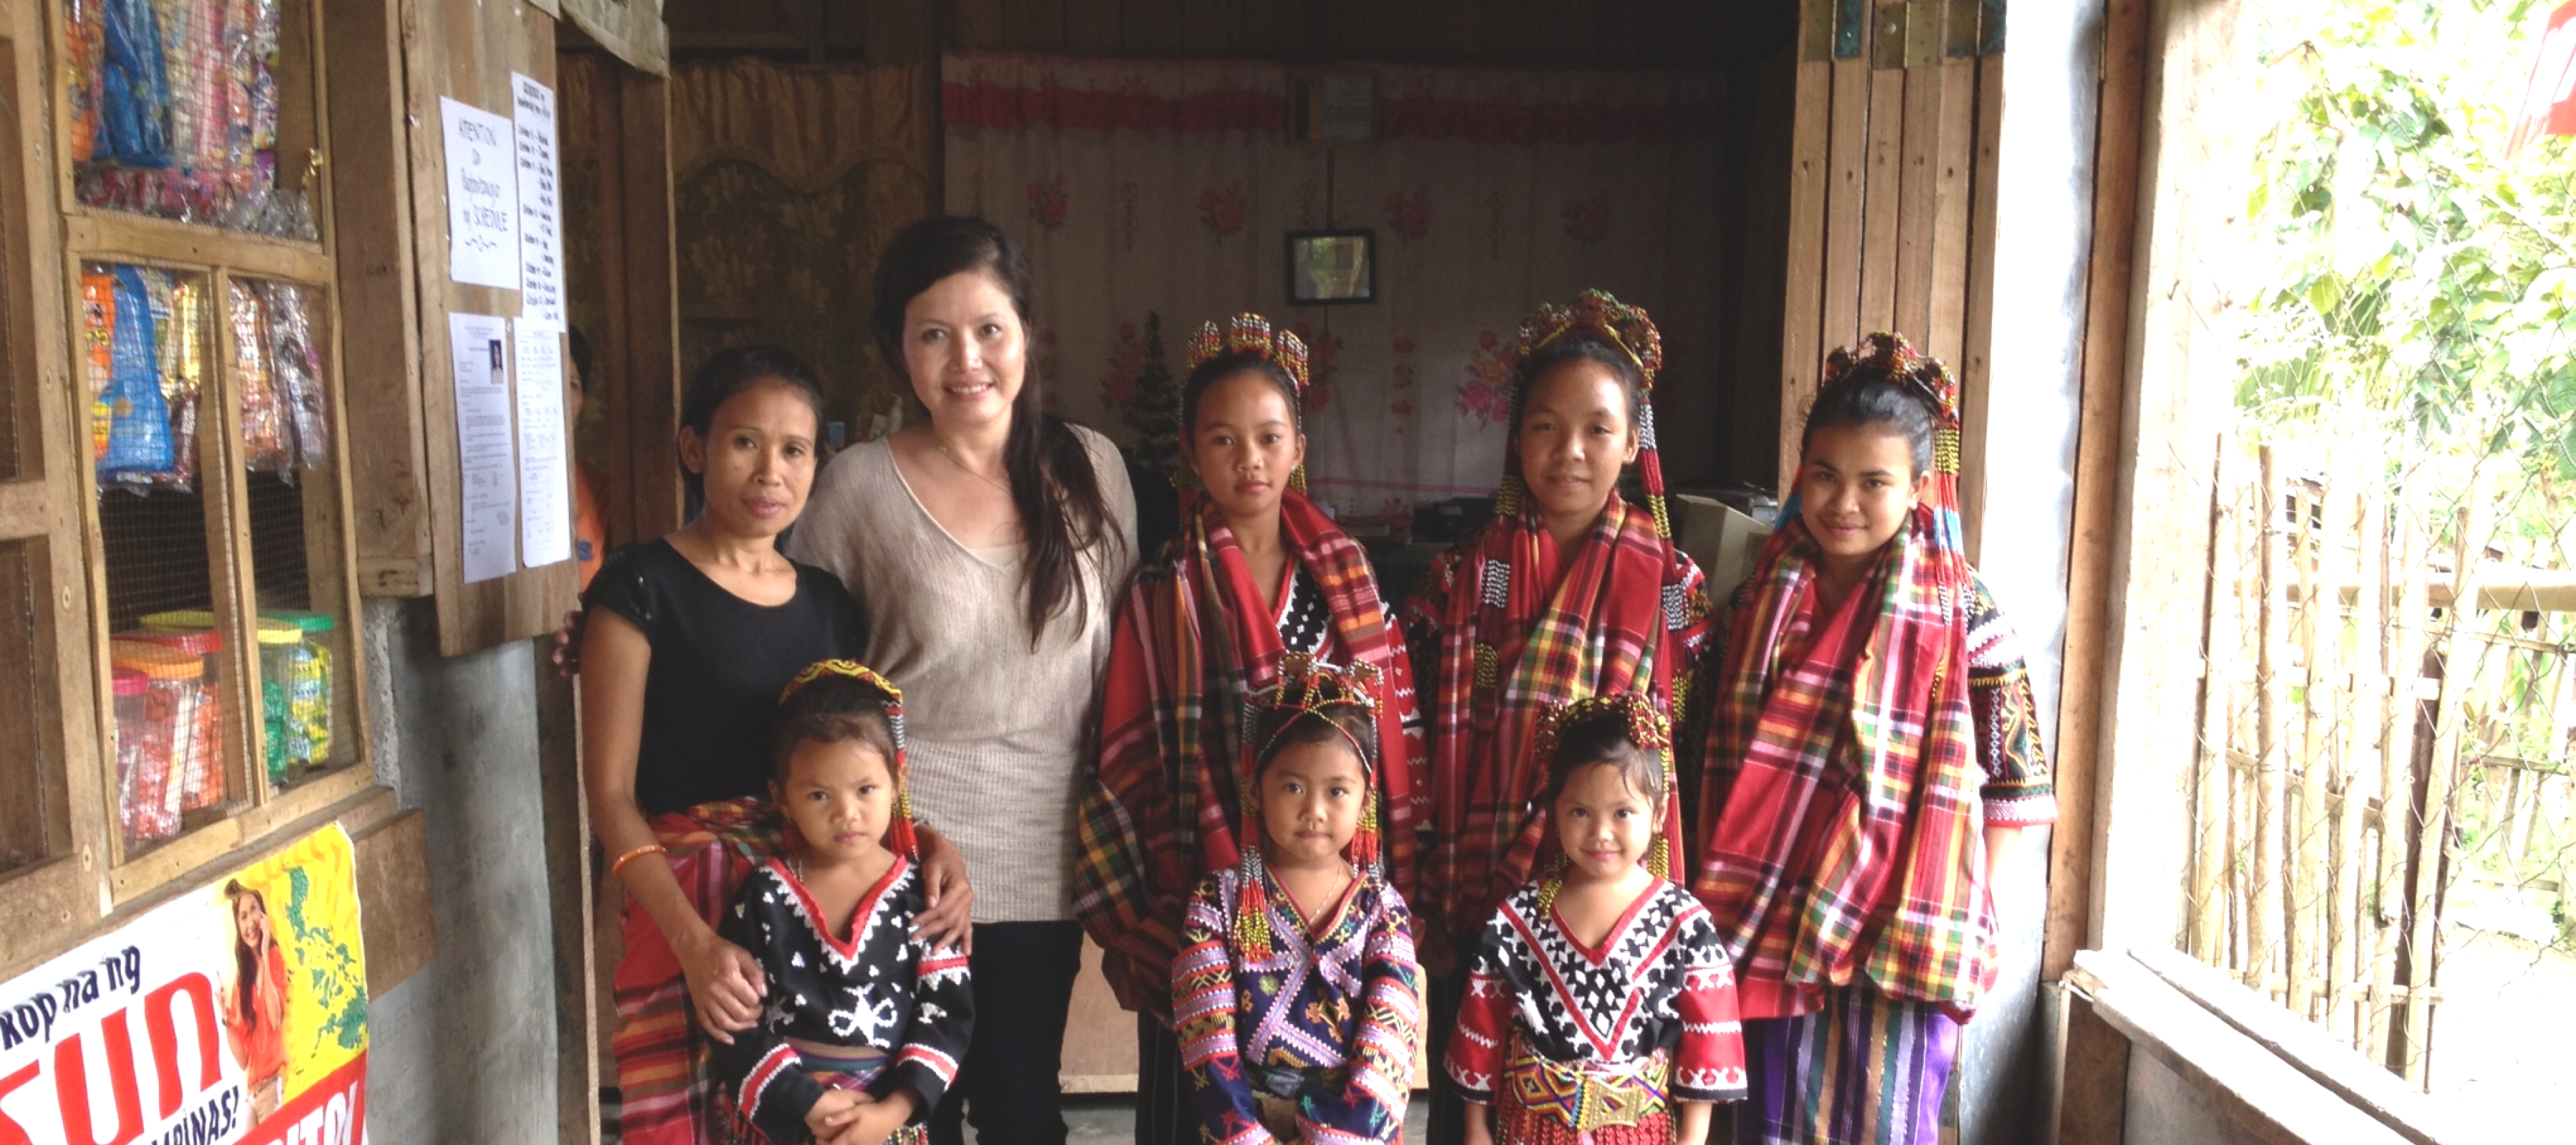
{"x": 1843, "y": 784}
{"x": 667, "y": 1094}
{"x": 1192, "y": 643}
{"x": 1520, "y": 627}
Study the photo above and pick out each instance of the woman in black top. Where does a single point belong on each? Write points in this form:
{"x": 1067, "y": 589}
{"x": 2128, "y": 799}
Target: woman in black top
{"x": 689, "y": 640}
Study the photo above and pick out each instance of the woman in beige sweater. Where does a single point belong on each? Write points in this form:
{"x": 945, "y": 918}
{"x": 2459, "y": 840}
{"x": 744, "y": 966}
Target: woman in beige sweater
{"x": 985, "y": 547}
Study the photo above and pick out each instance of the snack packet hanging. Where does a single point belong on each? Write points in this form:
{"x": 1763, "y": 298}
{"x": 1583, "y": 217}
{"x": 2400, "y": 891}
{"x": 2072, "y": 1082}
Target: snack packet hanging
{"x": 135, "y": 98}
{"x": 265, "y": 448}
{"x": 299, "y": 370}
{"x": 87, "y": 37}
{"x": 188, "y": 301}
{"x": 138, "y": 442}
{"x": 98, "y": 332}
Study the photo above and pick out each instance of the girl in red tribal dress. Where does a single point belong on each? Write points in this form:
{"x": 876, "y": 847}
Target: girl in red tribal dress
{"x": 1257, "y": 573}
{"x": 1600, "y": 1006}
{"x": 1873, "y": 754}
{"x": 1570, "y": 591}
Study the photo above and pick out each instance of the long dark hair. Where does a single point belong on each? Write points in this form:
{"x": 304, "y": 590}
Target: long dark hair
{"x": 246, "y": 960}
{"x": 1062, "y": 510}
{"x": 728, "y": 372}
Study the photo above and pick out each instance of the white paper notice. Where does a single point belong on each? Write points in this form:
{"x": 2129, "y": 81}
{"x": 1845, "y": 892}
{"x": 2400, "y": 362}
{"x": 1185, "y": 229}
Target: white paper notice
{"x": 482, "y": 197}
{"x": 486, "y": 466}
{"x": 545, "y": 501}
{"x": 532, "y": 106}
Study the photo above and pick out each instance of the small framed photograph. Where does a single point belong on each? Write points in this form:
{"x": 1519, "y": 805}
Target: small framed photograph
{"x": 1332, "y": 266}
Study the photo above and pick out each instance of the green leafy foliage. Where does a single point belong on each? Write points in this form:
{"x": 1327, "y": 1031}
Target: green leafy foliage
{"x": 2420, "y": 292}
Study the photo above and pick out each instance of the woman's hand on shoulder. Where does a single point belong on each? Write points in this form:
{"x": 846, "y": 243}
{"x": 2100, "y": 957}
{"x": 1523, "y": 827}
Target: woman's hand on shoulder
{"x": 725, "y": 985}
{"x": 948, "y": 910}
{"x": 568, "y": 644}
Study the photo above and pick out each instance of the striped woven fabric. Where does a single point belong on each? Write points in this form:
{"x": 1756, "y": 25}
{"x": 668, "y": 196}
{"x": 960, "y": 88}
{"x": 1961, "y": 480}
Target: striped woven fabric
{"x": 1510, "y": 627}
{"x": 1192, "y": 643}
{"x": 662, "y": 1079}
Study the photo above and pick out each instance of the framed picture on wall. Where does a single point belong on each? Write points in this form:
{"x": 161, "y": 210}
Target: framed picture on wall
{"x": 1332, "y": 266}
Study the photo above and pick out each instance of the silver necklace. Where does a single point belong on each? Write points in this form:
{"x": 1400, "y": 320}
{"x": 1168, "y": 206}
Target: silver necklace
{"x": 962, "y": 467}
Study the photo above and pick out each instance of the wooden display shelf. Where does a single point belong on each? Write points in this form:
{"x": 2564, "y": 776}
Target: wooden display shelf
{"x": 96, "y": 234}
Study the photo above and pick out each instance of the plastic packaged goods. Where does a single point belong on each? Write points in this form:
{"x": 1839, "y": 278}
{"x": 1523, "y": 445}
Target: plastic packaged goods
{"x": 138, "y": 442}
{"x": 175, "y": 110}
{"x": 86, "y": 36}
{"x": 299, "y": 370}
{"x": 202, "y": 774}
{"x": 280, "y": 646}
{"x": 266, "y": 447}
{"x": 148, "y": 794}
{"x": 183, "y": 372}
{"x": 133, "y": 740}
{"x": 134, "y": 94}
{"x": 98, "y": 358}
{"x": 308, "y": 687}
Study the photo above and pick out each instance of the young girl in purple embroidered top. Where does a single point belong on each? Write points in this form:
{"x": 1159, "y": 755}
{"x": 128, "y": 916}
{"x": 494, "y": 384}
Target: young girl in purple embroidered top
{"x": 1295, "y": 996}
{"x": 865, "y": 1020}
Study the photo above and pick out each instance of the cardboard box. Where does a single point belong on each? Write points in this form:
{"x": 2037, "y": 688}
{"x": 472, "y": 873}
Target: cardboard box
{"x": 1723, "y": 541}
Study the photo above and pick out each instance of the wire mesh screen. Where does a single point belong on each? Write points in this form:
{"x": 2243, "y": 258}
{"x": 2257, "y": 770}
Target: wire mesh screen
{"x": 146, "y": 339}
{"x": 184, "y": 125}
{"x": 305, "y": 699}
{"x": 28, "y": 833}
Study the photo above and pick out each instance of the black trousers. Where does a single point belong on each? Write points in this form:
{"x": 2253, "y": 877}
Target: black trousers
{"x": 1448, "y": 1110}
{"x": 1163, "y": 1113}
{"x": 1009, "y": 1084}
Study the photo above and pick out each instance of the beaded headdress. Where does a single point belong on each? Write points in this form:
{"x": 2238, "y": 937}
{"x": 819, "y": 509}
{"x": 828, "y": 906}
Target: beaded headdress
{"x": 1253, "y": 334}
{"x": 900, "y": 837}
{"x": 1309, "y": 689}
{"x": 1647, "y": 727}
{"x": 1599, "y": 317}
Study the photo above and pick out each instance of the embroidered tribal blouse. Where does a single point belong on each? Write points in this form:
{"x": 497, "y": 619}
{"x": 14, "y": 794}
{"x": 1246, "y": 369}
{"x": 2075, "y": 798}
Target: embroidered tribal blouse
{"x": 880, "y": 988}
{"x": 1661, "y": 980}
{"x": 1330, "y": 1019}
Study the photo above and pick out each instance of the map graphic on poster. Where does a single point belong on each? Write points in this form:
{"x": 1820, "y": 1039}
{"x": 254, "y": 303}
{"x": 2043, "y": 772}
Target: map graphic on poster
{"x": 235, "y": 1013}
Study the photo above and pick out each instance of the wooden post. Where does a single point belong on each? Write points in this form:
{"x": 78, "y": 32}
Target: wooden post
{"x": 1802, "y": 348}
{"x": 2306, "y": 964}
{"x": 2410, "y": 550}
{"x": 2272, "y": 690}
{"x": 2208, "y": 932}
{"x": 2465, "y": 647}
{"x": 2359, "y": 768}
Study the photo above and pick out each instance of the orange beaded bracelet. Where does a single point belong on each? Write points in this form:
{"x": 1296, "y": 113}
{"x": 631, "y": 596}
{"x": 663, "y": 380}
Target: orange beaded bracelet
{"x": 631, "y": 856}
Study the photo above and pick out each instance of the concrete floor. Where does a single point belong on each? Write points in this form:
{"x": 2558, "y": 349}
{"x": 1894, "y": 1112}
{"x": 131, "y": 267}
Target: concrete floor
{"x": 1111, "y": 1120}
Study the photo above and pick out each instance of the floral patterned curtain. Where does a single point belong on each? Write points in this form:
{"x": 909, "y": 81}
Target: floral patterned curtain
{"x": 1168, "y": 188}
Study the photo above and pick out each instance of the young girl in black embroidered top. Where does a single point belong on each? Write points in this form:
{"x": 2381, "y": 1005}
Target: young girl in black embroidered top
{"x": 866, "y": 1020}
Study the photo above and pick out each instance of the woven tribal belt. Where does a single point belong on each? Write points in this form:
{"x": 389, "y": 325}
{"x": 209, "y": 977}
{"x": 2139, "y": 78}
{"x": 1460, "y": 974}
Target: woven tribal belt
{"x": 1587, "y": 1096}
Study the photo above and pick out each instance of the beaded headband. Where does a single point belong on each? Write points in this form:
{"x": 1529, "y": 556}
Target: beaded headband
{"x": 1647, "y": 727}
{"x": 1596, "y": 315}
{"x": 1892, "y": 360}
{"x": 900, "y": 836}
{"x": 1309, "y": 688}
{"x": 1609, "y": 320}
{"x": 1251, "y": 334}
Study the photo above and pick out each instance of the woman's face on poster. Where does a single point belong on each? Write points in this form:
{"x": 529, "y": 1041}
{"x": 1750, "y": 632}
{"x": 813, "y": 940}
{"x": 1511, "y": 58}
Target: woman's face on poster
{"x": 250, "y": 920}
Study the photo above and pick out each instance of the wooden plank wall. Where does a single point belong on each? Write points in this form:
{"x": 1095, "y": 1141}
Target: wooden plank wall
{"x": 465, "y": 51}
{"x": 1641, "y": 33}
{"x": 1891, "y": 182}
